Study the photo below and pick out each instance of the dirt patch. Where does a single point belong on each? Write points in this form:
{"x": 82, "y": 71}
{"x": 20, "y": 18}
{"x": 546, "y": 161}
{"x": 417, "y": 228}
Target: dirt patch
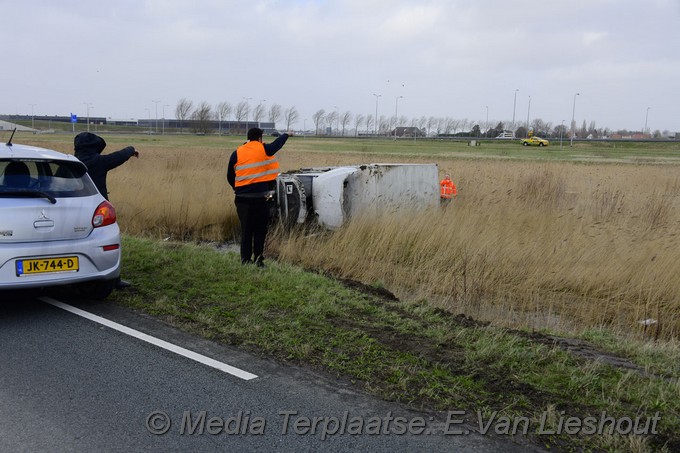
{"x": 584, "y": 350}
{"x": 579, "y": 348}
{"x": 364, "y": 288}
{"x": 449, "y": 355}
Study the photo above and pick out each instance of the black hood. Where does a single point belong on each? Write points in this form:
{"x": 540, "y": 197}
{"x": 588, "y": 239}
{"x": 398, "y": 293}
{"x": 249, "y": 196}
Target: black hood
{"x": 88, "y": 143}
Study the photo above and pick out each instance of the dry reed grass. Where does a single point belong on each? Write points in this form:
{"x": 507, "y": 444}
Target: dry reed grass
{"x": 557, "y": 245}
{"x": 175, "y": 194}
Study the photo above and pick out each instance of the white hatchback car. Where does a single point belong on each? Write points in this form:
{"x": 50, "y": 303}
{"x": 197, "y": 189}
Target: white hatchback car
{"x": 55, "y": 226}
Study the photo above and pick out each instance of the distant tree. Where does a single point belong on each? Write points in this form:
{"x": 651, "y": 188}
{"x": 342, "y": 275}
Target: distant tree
{"x": 441, "y": 125}
{"x": 476, "y": 131}
{"x": 392, "y": 123}
{"x": 370, "y": 121}
{"x": 422, "y": 121}
{"x": 496, "y": 131}
{"x": 201, "y": 117}
{"x": 241, "y": 112}
{"x": 345, "y": 119}
{"x": 332, "y": 117}
{"x": 290, "y": 116}
{"x": 449, "y": 126}
{"x": 182, "y": 111}
{"x": 358, "y": 119}
{"x": 540, "y": 127}
{"x": 274, "y": 113}
{"x": 560, "y": 130}
{"x": 258, "y": 113}
{"x": 318, "y": 118}
{"x": 383, "y": 125}
{"x": 431, "y": 122}
{"x": 223, "y": 110}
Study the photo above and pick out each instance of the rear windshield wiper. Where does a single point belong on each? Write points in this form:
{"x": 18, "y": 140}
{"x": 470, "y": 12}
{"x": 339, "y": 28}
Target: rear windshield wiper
{"x": 29, "y": 193}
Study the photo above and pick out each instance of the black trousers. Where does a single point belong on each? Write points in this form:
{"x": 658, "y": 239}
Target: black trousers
{"x": 253, "y": 213}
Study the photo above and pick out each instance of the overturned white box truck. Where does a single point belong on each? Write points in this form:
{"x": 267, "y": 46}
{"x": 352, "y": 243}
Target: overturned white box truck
{"x": 332, "y": 195}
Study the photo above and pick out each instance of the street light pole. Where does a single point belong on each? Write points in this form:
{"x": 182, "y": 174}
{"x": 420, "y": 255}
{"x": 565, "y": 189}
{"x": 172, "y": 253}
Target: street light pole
{"x": 163, "y": 127}
{"x": 573, "y": 111}
{"x": 396, "y": 115}
{"x": 561, "y": 131}
{"x": 528, "y": 110}
{"x": 337, "y": 120}
{"x": 376, "y": 113}
{"x": 156, "y": 102}
{"x": 32, "y": 122}
{"x": 646, "y": 116}
{"x": 88, "y": 105}
{"x": 514, "y": 105}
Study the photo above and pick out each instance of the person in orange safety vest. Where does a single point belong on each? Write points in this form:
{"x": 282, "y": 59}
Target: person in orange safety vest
{"x": 447, "y": 189}
{"x": 252, "y": 172}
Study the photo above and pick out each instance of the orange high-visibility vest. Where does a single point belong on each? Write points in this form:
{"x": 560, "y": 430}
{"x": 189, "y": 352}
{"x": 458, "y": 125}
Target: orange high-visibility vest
{"x": 253, "y": 165}
{"x": 448, "y": 189}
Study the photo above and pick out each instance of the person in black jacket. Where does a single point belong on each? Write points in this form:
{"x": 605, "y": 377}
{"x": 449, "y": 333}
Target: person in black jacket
{"x": 88, "y": 149}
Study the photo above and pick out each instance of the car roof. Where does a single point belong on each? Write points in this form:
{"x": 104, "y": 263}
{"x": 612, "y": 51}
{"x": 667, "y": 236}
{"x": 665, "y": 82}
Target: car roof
{"x": 32, "y": 152}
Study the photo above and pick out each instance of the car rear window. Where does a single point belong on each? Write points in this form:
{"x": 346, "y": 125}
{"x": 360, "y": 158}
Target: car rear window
{"x": 53, "y": 177}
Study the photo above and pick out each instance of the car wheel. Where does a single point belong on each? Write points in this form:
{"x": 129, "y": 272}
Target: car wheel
{"x": 540, "y": 144}
{"x": 97, "y": 290}
{"x": 525, "y": 144}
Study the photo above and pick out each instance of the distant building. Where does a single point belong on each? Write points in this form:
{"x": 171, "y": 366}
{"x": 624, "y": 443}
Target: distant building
{"x": 506, "y": 135}
{"x": 630, "y": 136}
{"x": 407, "y": 132}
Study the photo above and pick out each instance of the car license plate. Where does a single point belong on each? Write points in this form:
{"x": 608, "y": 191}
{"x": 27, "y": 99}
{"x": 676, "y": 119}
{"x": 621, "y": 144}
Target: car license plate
{"x": 47, "y": 265}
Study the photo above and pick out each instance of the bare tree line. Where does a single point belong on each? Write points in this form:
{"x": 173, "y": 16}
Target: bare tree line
{"x": 203, "y": 114}
{"x": 347, "y": 123}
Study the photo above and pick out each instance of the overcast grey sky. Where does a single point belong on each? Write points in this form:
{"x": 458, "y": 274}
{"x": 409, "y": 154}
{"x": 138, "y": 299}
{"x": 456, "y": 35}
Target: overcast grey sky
{"x": 447, "y": 58}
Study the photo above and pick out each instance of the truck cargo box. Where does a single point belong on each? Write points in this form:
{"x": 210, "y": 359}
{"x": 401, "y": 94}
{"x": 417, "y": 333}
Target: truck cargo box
{"x": 332, "y": 195}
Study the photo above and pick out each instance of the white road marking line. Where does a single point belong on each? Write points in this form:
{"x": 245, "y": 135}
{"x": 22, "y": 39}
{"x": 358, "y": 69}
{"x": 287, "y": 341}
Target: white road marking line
{"x": 153, "y": 340}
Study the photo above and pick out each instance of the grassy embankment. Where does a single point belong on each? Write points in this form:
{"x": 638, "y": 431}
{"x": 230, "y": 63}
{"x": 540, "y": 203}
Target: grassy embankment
{"x": 409, "y": 352}
{"x": 535, "y": 244}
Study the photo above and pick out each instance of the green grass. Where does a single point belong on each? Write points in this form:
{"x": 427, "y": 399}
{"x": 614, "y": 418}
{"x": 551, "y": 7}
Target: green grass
{"x": 405, "y": 352}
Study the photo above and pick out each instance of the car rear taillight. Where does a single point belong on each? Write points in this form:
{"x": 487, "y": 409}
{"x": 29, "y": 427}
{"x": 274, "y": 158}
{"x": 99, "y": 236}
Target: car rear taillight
{"x": 104, "y": 215}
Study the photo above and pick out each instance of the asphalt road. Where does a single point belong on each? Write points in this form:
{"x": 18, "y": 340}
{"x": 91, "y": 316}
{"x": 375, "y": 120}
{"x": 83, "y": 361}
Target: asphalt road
{"x": 68, "y": 383}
